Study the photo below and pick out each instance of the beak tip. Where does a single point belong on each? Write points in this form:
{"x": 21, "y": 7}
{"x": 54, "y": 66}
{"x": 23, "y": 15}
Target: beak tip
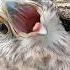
{"x": 42, "y": 30}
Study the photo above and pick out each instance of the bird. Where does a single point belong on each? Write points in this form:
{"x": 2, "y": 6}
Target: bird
{"x": 32, "y": 36}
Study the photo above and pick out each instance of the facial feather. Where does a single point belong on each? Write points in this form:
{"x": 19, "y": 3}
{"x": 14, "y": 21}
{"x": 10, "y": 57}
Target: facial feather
{"x": 41, "y": 52}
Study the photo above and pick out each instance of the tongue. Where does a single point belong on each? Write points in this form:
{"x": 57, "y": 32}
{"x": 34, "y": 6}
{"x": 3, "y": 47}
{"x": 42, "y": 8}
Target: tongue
{"x": 24, "y": 17}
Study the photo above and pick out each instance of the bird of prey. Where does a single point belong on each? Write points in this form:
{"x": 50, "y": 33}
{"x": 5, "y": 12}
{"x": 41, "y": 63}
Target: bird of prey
{"x": 32, "y": 36}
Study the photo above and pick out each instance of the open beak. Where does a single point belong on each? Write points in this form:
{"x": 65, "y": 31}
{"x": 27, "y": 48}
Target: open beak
{"x": 25, "y": 19}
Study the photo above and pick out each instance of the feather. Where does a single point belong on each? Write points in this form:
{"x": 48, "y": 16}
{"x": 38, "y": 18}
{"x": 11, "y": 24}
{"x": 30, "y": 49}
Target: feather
{"x": 50, "y": 51}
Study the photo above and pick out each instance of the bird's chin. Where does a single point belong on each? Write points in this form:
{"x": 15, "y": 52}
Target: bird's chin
{"x": 30, "y": 52}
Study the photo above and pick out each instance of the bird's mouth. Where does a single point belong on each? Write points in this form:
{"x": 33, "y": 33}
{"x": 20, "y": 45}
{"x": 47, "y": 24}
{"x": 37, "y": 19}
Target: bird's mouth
{"x": 25, "y": 17}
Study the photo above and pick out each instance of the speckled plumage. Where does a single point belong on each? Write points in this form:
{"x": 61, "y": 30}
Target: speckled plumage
{"x": 42, "y": 52}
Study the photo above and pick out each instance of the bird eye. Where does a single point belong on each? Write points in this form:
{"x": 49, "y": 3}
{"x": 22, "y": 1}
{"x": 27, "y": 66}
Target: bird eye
{"x": 3, "y": 28}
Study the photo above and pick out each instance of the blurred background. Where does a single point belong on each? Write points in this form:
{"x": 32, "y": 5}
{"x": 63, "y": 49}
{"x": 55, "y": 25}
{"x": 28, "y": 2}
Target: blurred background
{"x": 64, "y": 12}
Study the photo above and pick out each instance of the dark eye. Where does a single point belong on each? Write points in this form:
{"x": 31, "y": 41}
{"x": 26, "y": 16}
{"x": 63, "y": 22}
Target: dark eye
{"x": 3, "y": 28}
